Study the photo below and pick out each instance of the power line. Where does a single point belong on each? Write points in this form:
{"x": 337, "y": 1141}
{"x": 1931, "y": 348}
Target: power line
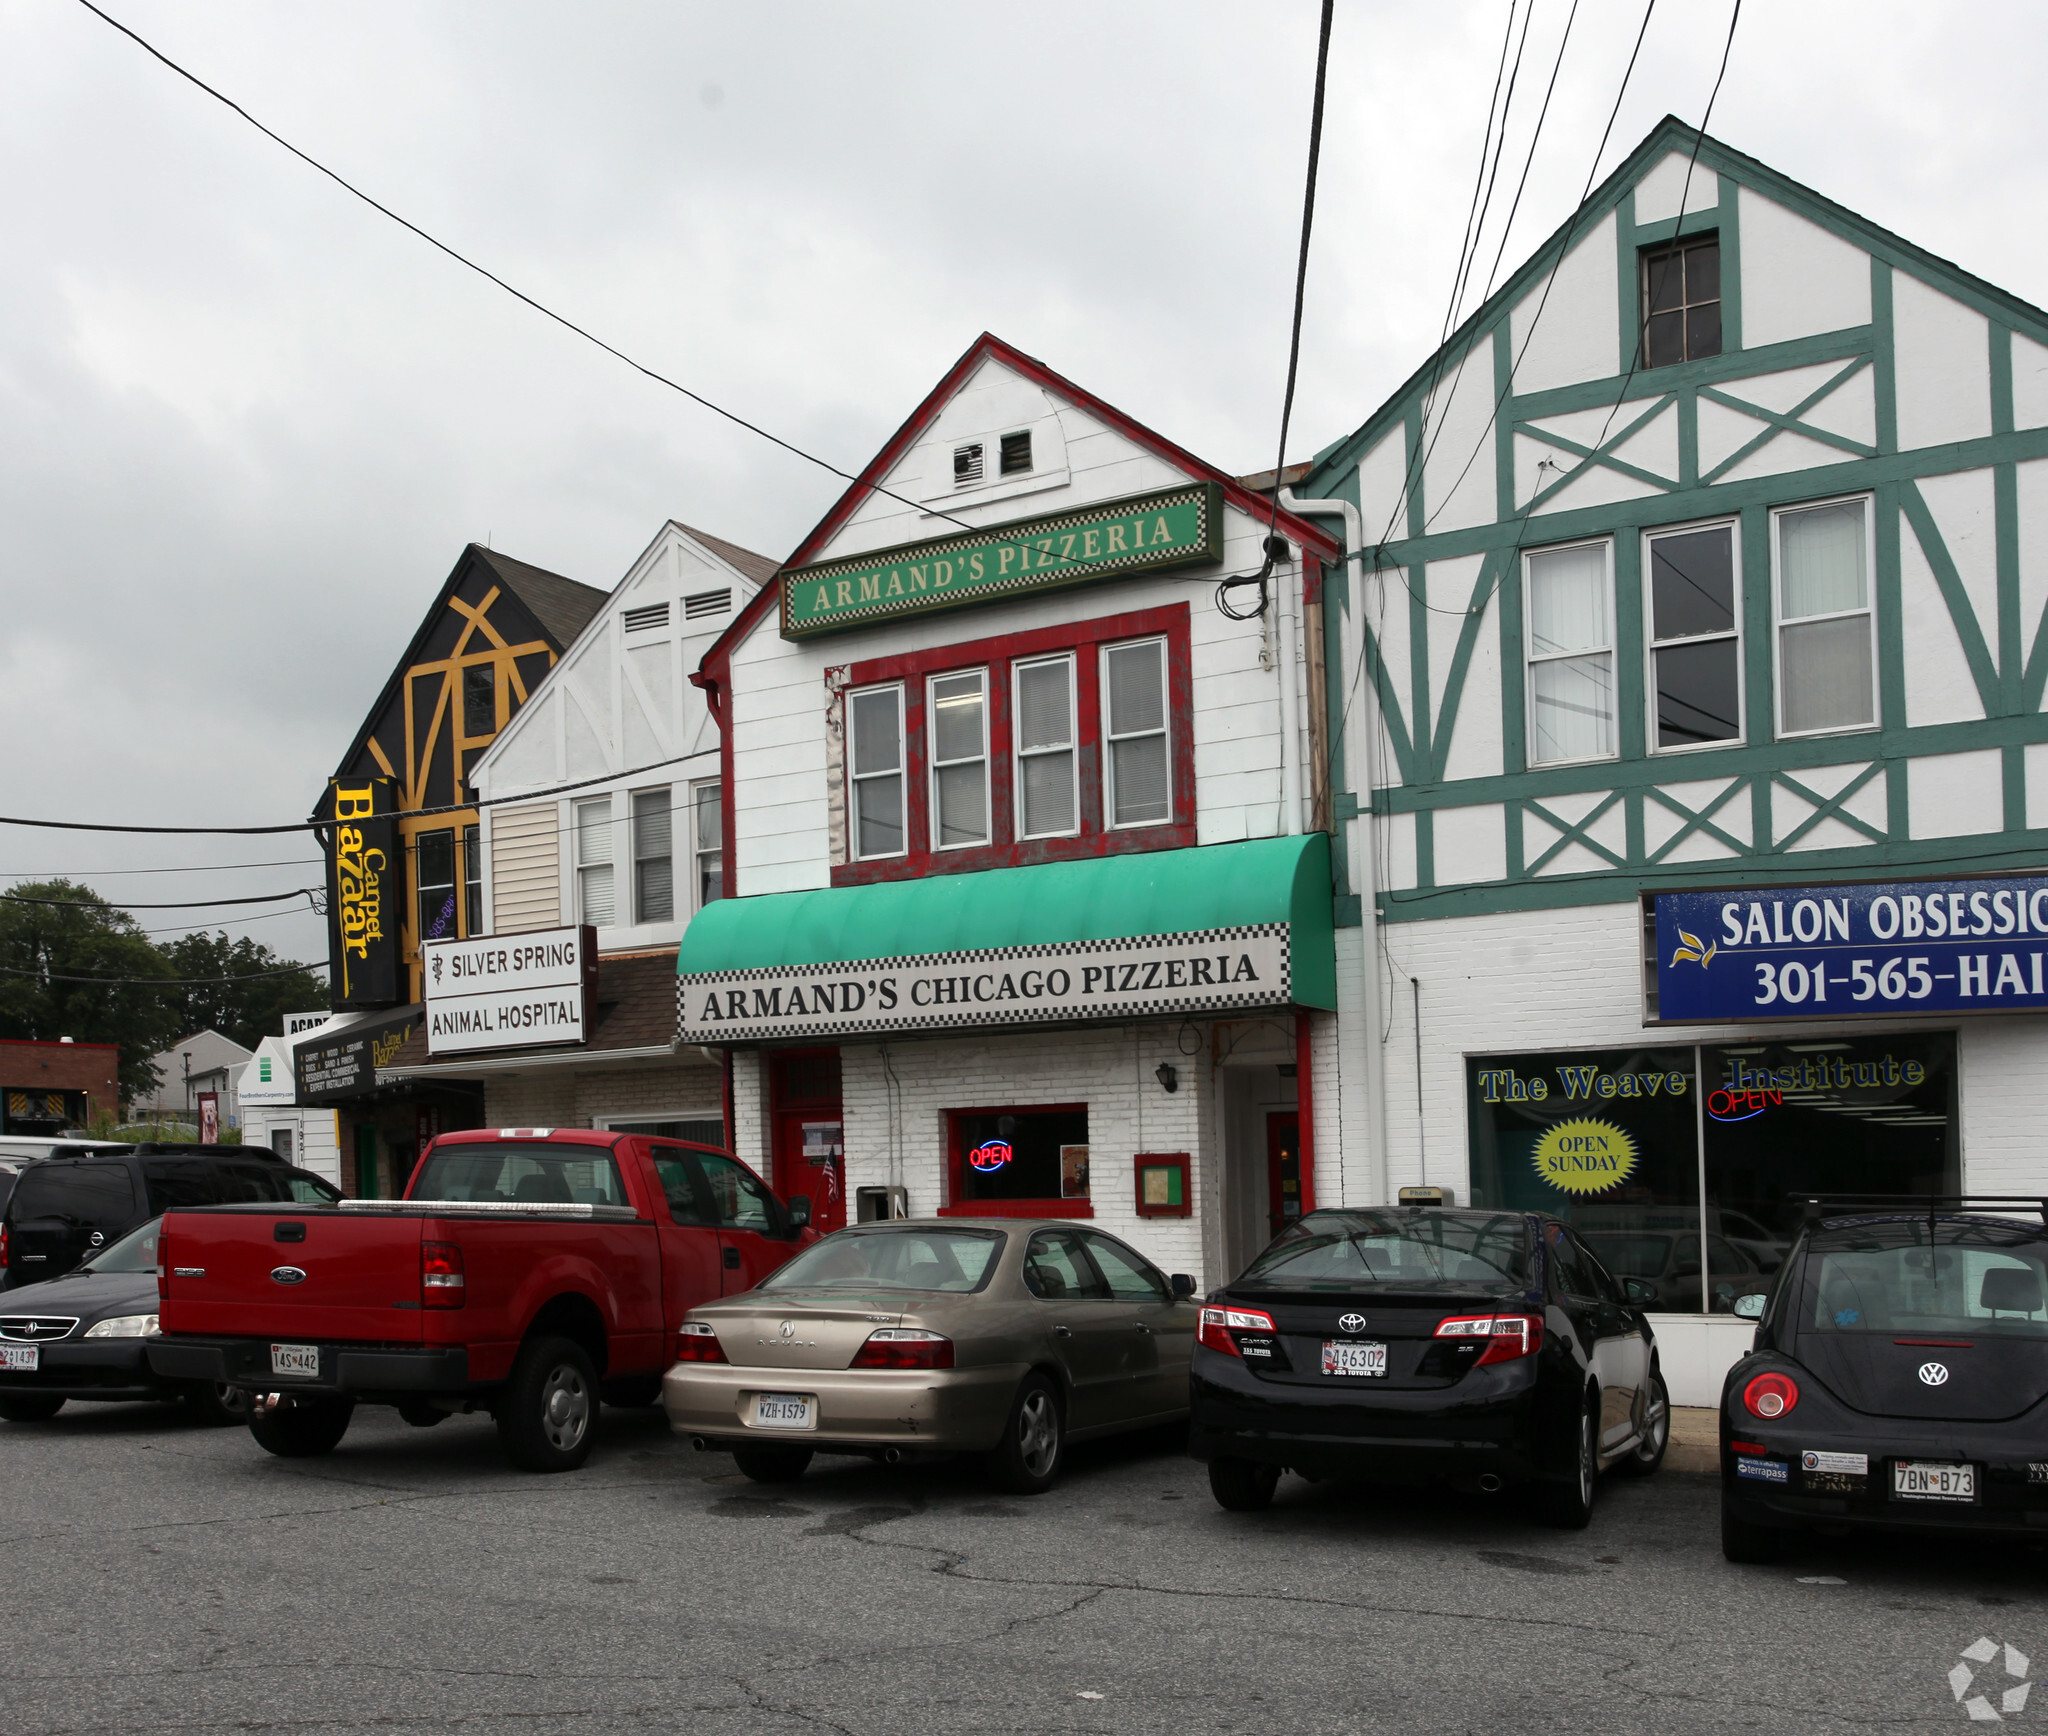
{"x": 13, "y": 897}
{"x": 163, "y": 982}
{"x": 108, "y": 873}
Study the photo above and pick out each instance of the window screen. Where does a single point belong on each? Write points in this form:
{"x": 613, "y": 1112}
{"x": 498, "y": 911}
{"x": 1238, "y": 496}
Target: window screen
{"x": 875, "y": 770}
{"x": 959, "y": 729}
{"x": 1134, "y": 695}
{"x": 1045, "y": 748}
{"x": 1824, "y": 619}
{"x": 596, "y": 901}
{"x": 654, "y": 886}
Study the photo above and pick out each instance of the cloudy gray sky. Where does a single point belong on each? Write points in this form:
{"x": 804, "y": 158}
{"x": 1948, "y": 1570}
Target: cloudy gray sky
{"x": 246, "y": 424}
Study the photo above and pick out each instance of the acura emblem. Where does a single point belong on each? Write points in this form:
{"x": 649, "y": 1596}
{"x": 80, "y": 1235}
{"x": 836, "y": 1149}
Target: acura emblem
{"x": 1933, "y": 1373}
{"x": 1351, "y": 1322}
{"x": 287, "y": 1275}
{"x": 788, "y": 1329}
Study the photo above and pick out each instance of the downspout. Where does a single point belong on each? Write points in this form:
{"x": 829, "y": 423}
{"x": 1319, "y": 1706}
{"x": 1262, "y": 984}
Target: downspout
{"x": 1357, "y": 745}
{"x": 1286, "y": 585}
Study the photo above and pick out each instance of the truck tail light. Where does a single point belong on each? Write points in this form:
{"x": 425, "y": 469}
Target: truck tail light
{"x": 1218, "y": 1324}
{"x": 441, "y": 1281}
{"x": 904, "y": 1347}
{"x": 1511, "y": 1336}
{"x": 697, "y": 1342}
{"x": 3, "y": 1247}
{"x": 1770, "y": 1395}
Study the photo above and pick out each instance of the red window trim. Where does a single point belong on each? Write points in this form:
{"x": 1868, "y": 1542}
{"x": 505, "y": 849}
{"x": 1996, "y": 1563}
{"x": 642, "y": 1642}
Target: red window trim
{"x": 954, "y": 1206}
{"x": 1086, "y": 640}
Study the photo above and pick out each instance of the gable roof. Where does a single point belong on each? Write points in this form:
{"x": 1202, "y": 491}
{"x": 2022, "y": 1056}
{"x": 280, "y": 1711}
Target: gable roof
{"x": 759, "y": 568}
{"x": 986, "y": 347}
{"x": 1673, "y": 134}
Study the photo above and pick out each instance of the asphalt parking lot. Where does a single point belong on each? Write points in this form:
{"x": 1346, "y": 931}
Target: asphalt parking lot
{"x": 163, "y": 1577}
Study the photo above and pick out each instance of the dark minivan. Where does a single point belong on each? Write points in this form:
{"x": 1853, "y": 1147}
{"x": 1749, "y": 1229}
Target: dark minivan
{"x": 62, "y": 1209}
{"x": 1424, "y": 1344}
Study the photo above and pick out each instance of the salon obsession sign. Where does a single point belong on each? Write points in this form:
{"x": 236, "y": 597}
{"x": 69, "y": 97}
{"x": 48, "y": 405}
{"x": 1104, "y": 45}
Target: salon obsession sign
{"x": 1061, "y": 983}
{"x": 1145, "y": 533}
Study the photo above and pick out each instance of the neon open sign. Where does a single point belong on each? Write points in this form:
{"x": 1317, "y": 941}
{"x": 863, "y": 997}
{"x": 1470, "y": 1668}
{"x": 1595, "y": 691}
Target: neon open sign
{"x": 1742, "y": 1105}
{"x": 991, "y": 1154}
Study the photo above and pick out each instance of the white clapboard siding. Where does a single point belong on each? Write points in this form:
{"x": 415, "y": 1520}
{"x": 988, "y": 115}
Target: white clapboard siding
{"x": 526, "y": 868}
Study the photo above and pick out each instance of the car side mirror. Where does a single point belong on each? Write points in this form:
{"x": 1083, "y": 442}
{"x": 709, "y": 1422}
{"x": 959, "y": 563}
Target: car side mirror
{"x": 799, "y": 1211}
{"x": 1639, "y": 1292}
{"x": 1750, "y": 1307}
{"x": 1183, "y": 1286}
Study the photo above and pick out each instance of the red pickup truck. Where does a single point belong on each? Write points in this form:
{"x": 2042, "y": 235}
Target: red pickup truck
{"x": 527, "y": 1272}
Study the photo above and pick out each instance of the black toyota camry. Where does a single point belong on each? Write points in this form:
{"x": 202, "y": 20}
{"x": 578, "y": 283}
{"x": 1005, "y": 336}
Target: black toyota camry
{"x": 1423, "y": 1344}
{"x": 1898, "y": 1377}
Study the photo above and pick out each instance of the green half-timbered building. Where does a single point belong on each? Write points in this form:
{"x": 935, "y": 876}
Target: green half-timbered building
{"x": 1710, "y": 554}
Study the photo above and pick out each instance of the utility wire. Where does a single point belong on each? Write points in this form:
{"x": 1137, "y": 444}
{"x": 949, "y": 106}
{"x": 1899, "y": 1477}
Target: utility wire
{"x": 163, "y": 982}
{"x": 107, "y": 873}
{"x": 12, "y": 897}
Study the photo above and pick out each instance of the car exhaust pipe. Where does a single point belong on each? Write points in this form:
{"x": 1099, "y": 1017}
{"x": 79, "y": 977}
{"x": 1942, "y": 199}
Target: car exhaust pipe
{"x": 699, "y": 1444}
{"x": 1489, "y": 1484}
{"x": 892, "y": 1455}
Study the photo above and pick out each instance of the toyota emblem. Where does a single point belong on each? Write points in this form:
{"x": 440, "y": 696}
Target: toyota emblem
{"x": 287, "y": 1275}
{"x": 1933, "y": 1373}
{"x": 1351, "y": 1322}
{"x": 788, "y": 1329}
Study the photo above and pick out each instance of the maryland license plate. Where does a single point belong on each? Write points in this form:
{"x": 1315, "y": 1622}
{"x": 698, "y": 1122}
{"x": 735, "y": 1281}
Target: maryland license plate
{"x": 20, "y": 1358}
{"x": 1351, "y": 1356}
{"x": 299, "y": 1359}
{"x": 785, "y": 1410}
{"x": 1921, "y": 1480}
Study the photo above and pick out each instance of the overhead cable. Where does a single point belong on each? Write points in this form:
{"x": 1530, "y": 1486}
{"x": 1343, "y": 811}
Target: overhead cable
{"x": 13, "y": 897}
{"x": 163, "y": 982}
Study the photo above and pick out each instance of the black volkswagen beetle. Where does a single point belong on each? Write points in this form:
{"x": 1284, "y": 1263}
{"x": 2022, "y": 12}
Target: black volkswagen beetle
{"x": 1898, "y": 1376}
{"x": 1426, "y": 1344}
{"x": 83, "y": 1336}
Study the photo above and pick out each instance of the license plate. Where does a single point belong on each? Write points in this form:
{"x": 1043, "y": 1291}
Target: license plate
{"x": 20, "y": 1358}
{"x": 784, "y": 1410}
{"x": 1918, "y": 1480}
{"x": 1349, "y": 1356}
{"x": 295, "y": 1359}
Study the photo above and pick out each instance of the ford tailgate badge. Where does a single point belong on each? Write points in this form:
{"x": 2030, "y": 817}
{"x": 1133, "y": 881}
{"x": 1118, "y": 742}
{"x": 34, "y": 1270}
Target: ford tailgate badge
{"x": 287, "y": 1274}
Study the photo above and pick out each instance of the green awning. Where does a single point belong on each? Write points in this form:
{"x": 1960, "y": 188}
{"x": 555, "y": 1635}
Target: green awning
{"x": 778, "y": 950}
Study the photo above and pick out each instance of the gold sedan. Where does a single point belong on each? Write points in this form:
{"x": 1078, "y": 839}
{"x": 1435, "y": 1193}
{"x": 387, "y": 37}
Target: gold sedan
{"x": 1002, "y": 1337}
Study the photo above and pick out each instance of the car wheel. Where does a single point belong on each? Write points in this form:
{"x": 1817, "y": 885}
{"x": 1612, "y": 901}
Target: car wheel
{"x": 1034, "y": 1440}
{"x": 547, "y": 1417}
{"x": 1649, "y": 1451}
{"x": 29, "y": 1410}
{"x": 214, "y": 1404}
{"x": 1241, "y": 1485}
{"x": 302, "y": 1428}
{"x": 772, "y": 1464}
{"x": 1568, "y": 1503}
{"x": 1753, "y": 1545}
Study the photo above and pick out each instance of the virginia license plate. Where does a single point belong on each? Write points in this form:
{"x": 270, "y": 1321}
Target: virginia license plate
{"x": 785, "y": 1410}
{"x": 20, "y": 1358}
{"x": 1349, "y": 1356}
{"x": 295, "y": 1359}
{"x": 1918, "y": 1480}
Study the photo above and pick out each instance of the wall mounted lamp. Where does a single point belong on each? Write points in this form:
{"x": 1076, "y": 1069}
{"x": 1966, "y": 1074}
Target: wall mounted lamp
{"x": 1169, "y": 1079}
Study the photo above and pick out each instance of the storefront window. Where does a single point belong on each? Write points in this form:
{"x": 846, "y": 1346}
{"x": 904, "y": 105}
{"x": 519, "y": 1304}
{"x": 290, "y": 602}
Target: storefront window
{"x": 1666, "y": 1183}
{"x": 1013, "y": 1154}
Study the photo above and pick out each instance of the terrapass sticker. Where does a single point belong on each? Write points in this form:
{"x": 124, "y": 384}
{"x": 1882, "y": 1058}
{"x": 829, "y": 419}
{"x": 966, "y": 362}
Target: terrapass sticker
{"x": 1763, "y": 1470}
{"x": 1583, "y": 1156}
{"x": 1853, "y": 1464}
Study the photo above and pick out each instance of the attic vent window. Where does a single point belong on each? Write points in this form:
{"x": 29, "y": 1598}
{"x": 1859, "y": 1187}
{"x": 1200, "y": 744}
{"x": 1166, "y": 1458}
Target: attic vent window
{"x": 1682, "y": 301}
{"x": 1016, "y": 453}
{"x": 645, "y": 620}
{"x": 707, "y": 603}
{"x": 967, "y": 465}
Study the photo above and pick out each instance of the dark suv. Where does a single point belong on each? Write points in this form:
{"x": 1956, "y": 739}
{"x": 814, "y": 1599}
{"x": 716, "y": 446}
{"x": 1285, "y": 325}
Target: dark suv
{"x": 62, "y": 1209}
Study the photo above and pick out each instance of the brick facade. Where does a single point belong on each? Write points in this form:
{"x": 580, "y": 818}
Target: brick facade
{"x": 578, "y": 1096}
{"x": 30, "y": 1071}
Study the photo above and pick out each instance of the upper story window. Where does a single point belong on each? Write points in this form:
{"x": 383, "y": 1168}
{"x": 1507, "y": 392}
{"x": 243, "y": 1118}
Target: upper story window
{"x": 1012, "y": 457}
{"x": 958, "y": 707}
{"x": 654, "y": 878}
{"x": 434, "y": 878}
{"x": 710, "y": 842}
{"x": 596, "y": 902}
{"x": 1682, "y": 301}
{"x": 874, "y": 758}
{"x": 1695, "y": 636}
{"x": 1827, "y": 643}
{"x": 1025, "y": 748}
{"x": 1570, "y": 615}
{"x": 472, "y": 880}
{"x": 479, "y": 700}
{"x": 1016, "y": 453}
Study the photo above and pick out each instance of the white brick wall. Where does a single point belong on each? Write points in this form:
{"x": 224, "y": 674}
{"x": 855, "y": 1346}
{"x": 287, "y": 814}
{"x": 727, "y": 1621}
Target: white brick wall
{"x": 896, "y": 1127}
{"x": 582, "y": 1096}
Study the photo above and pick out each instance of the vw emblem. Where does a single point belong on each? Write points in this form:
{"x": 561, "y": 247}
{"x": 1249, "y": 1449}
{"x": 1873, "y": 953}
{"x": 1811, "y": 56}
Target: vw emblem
{"x": 287, "y": 1275}
{"x": 1351, "y": 1322}
{"x": 1933, "y": 1373}
{"x": 787, "y": 1329}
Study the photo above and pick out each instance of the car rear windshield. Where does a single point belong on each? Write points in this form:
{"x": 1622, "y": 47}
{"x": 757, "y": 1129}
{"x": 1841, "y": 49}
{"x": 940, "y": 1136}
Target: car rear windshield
{"x": 134, "y": 1252}
{"x": 521, "y": 1174}
{"x": 1891, "y": 1277}
{"x": 950, "y": 1260}
{"x": 1345, "y": 1250}
{"x": 79, "y": 1193}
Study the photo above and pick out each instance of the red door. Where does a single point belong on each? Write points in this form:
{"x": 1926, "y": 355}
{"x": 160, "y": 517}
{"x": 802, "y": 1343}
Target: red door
{"x": 1283, "y": 1171}
{"x": 810, "y": 1152}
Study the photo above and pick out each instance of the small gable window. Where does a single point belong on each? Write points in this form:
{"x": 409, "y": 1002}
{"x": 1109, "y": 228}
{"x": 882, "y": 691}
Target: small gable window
{"x": 1017, "y": 453}
{"x": 1681, "y": 301}
{"x": 967, "y": 466}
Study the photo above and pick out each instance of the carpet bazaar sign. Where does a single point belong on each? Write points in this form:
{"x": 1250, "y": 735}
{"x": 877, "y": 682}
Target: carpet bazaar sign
{"x": 1011, "y": 985}
{"x": 1146, "y": 533}
{"x": 1975, "y": 945}
{"x": 510, "y": 990}
{"x": 365, "y": 893}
